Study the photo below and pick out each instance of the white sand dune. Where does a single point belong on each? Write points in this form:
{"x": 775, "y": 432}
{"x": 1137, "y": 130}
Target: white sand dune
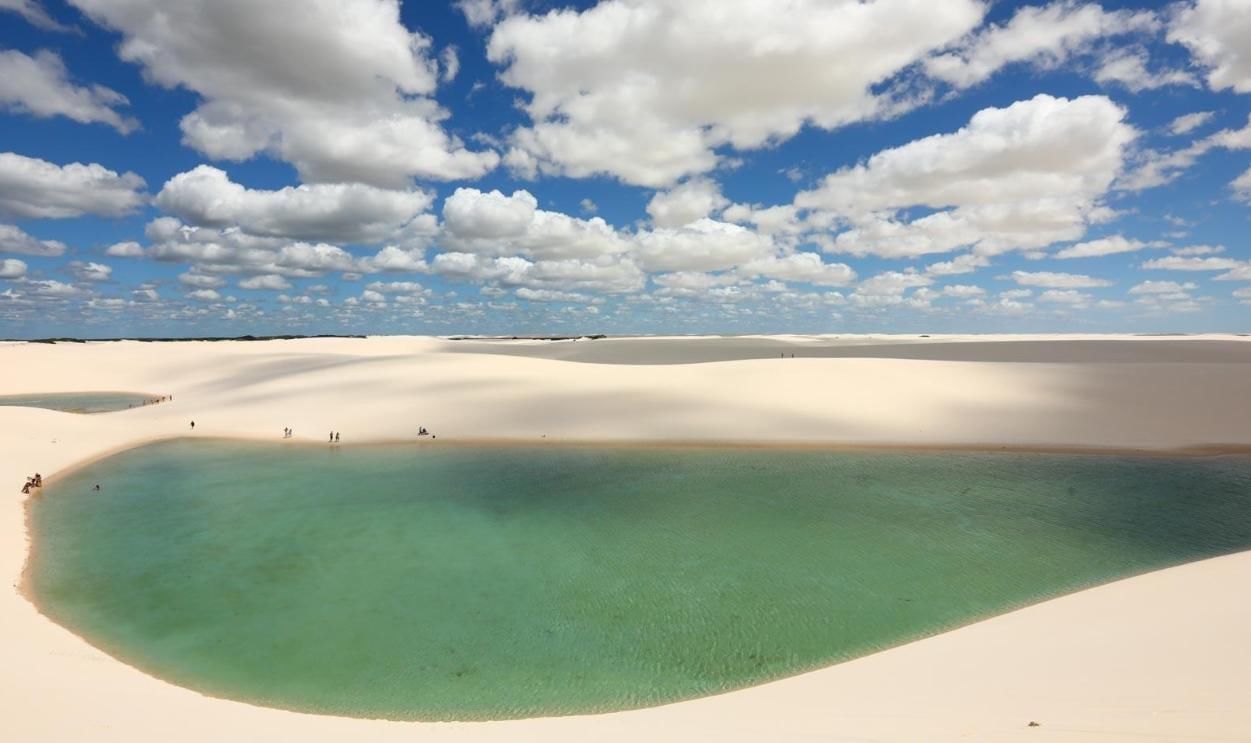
{"x": 1161, "y": 657}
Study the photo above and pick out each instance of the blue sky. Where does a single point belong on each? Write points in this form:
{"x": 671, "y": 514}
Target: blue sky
{"x": 638, "y": 166}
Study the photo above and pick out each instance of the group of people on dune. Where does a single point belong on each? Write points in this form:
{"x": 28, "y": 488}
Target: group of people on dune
{"x": 31, "y": 483}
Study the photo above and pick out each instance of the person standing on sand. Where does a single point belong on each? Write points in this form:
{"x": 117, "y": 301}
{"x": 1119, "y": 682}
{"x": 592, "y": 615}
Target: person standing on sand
{"x": 192, "y": 425}
{"x": 336, "y": 437}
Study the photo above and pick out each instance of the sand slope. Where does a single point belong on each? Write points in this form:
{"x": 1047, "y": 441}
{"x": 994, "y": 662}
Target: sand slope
{"x": 1164, "y": 656}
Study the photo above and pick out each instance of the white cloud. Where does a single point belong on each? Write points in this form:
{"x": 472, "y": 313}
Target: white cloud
{"x": 127, "y": 249}
{"x": 12, "y": 268}
{"x": 1128, "y": 67}
{"x": 645, "y": 90}
{"x": 14, "y": 240}
{"x": 1218, "y": 34}
{"x": 1242, "y": 186}
{"x": 482, "y": 13}
{"x": 90, "y": 271}
{"x": 1187, "y": 123}
{"x": 609, "y": 275}
{"x": 1162, "y": 287}
{"x": 34, "y": 14}
{"x": 888, "y": 288}
{"x": 37, "y": 189}
{"x": 201, "y": 281}
{"x": 1190, "y": 263}
{"x": 1043, "y": 35}
{"x": 1157, "y": 168}
{"x": 692, "y": 200}
{"x": 341, "y": 90}
{"x": 1199, "y": 250}
{"x": 491, "y": 223}
{"x": 40, "y": 86}
{"x": 204, "y": 295}
{"x": 1052, "y": 280}
{"x": 588, "y": 206}
{"x": 961, "y": 264}
{"x": 450, "y": 61}
{"x": 703, "y": 245}
{"x": 1065, "y": 296}
{"x": 802, "y": 267}
{"x": 1103, "y": 246}
{"x": 1241, "y": 272}
{"x": 271, "y": 282}
{"x": 234, "y": 252}
{"x": 353, "y": 213}
{"x": 549, "y": 295}
{"x": 1020, "y": 177}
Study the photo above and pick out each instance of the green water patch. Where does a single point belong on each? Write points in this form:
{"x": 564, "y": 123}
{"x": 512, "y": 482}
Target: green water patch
{"x": 79, "y": 402}
{"x": 440, "y": 583}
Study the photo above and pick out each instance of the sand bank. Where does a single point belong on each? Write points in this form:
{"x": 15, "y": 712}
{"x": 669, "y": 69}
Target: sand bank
{"x": 1163, "y": 656}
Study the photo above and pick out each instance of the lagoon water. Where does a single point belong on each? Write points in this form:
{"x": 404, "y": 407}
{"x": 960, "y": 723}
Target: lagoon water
{"x": 436, "y": 583}
{"x": 77, "y": 402}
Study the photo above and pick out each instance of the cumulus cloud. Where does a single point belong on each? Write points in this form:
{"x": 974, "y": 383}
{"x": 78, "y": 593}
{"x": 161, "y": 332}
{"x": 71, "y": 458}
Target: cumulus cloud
{"x": 340, "y": 89}
{"x": 1052, "y": 280}
{"x": 1190, "y": 263}
{"x": 490, "y": 223}
{"x": 1162, "y": 287}
{"x": 1159, "y": 168}
{"x": 353, "y": 213}
{"x": 961, "y": 264}
{"x": 607, "y": 275}
{"x": 127, "y": 249}
{"x": 800, "y": 267}
{"x": 234, "y": 252}
{"x": 1019, "y": 177}
{"x": 1042, "y": 35}
{"x": 1242, "y": 186}
{"x": 12, "y": 268}
{"x": 90, "y": 271}
{"x": 14, "y": 240}
{"x": 40, "y": 86}
{"x": 695, "y": 199}
{"x": 482, "y": 13}
{"x": 1218, "y": 34}
{"x": 1187, "y": 123}
{"x": 703, "y": 245}
{"x": 271, "y": 282}
{"x": 1129, "y": 67}
{"x": 38, "y": 189}
{"x": 1103, "y": 246}
{"x": 34, "y": 13}
{"x": 646, "y": 90}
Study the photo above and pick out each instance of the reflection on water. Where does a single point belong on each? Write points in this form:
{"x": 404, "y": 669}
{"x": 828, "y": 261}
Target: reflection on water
{"x": 78, "y": 402}
{"x": 458, "y": 583}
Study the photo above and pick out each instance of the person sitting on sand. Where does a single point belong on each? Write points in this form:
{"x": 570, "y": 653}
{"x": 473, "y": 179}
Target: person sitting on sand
{"x": 38, "y": 480}
{"x": 26, "y": 488}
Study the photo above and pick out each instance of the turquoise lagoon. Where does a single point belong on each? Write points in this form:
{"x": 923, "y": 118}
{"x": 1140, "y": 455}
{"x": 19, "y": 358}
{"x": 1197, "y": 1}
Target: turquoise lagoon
{"x": 443, "y": 582}
{"x": 77, "y": 402}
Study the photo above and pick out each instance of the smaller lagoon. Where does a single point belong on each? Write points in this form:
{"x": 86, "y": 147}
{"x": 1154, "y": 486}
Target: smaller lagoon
{"x": 78, "y": 402}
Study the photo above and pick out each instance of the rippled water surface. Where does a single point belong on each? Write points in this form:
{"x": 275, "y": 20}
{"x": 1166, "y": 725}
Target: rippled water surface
{"x": 77, "y": 402}
{"x": 483, "y": 583}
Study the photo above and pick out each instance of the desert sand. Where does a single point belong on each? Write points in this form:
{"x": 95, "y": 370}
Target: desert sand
{"x": 1163, "y": 656}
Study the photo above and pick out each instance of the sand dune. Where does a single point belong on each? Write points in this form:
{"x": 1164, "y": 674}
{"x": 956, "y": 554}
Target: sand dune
{"x": 1161, "y": 656}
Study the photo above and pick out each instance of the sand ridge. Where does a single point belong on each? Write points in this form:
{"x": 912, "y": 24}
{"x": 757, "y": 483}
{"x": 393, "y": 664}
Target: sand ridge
{"x": 1161, "y": 655}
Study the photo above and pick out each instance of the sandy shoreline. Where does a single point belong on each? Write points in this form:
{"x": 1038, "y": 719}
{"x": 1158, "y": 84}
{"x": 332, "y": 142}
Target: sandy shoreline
{"x": 1183, "y": 623}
